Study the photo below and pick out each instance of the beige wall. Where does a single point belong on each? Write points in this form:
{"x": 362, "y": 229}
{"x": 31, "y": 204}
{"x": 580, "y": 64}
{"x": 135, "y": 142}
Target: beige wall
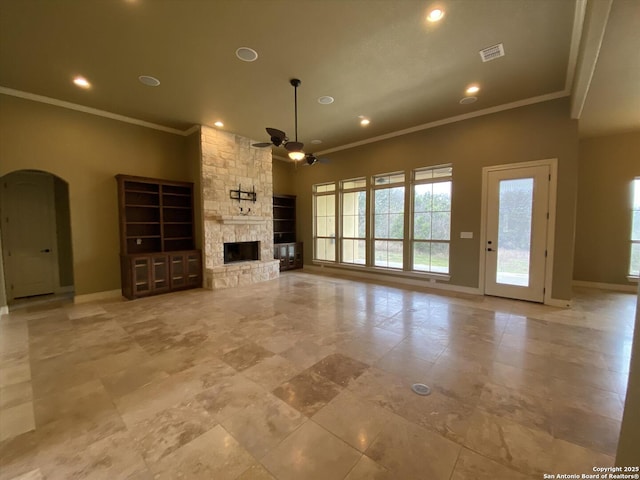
{"x": 87, "y": 151}
{"x": 63, "y": 232}
{"x": 607, "y": 166}
{"x": 534, "y": 132}
{"x": 283, "y": 178}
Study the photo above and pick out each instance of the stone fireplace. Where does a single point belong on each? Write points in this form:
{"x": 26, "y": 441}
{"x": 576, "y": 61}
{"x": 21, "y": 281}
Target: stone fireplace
{"x": 229, "y": 164}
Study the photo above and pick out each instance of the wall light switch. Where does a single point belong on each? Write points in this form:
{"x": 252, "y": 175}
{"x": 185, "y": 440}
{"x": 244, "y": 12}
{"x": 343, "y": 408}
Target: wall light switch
{"x": 138, "y": 241}
{"x": 466, "y": 234}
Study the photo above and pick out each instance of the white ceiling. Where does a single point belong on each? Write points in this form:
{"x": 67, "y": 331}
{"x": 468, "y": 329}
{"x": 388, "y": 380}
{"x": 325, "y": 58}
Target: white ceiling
{"x": 378, "y": 58}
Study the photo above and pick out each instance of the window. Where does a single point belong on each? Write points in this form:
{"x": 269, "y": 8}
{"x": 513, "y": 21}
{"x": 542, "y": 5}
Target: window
{"x": 431, "y": 219}
{"x": 354, "y": 221}
{"x": 324, "y": 208}
{"x": 634, "y": 264}
{"x": 388, "y": 220}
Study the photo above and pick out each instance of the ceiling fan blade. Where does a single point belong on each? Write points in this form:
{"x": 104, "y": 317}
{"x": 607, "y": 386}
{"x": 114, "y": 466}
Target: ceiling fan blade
{"x": 274, "y": 132}
{"x": 262, "y": 145}
{"x": 294, "y": 146}
{"x": 324, "y": 160}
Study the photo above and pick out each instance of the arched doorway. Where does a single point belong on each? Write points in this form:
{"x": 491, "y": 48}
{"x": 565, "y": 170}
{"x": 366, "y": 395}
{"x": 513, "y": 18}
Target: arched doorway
{"x": 36, "y": 235}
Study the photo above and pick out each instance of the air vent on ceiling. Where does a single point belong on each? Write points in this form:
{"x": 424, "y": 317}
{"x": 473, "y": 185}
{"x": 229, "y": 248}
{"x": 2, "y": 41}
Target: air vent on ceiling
{"x": 492, "y": 52}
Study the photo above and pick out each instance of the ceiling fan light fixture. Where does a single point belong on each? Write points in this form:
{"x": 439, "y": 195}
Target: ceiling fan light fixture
{"x": 296, "y": 155}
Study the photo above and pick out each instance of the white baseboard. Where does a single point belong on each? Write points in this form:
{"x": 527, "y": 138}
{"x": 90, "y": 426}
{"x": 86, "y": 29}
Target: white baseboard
{"x": 606, "y": 286}
{"x": 416, "y": 282}
{"x": 92, "y": 297}
{"x": 558, "y": 302}
{"x": 4, "y": 310}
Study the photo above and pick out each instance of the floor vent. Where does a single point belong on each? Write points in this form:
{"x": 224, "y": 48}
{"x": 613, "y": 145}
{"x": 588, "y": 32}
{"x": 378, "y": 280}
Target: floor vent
{"x": 491, "y": 53}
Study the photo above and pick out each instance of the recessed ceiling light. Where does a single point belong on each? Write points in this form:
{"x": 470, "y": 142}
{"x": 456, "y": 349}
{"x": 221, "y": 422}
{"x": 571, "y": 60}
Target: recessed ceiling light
{"x": 81, "y": 82}
{"x": 467, "y": 100}
{"x": 326, "y": 100}
{"x": 316, "y": 142}
{"x": 247, "y": 54}
{"x": 435, "y": 15}
{"x": 219, "y": 124}
{"x": 364, "y": 121}
{"x": 149, "y": 81}
{"x": 472, "y": 89}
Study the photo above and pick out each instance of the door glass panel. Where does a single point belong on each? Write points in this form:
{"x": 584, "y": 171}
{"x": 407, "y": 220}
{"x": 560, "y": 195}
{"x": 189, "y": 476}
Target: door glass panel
{"x": 177, "y": 270}
{"x": 141, "y": 269}
{"x": 514, "y": 231}
{"x": 160, "y": 275}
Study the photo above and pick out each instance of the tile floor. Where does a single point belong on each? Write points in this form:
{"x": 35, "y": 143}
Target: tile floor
{"x": 308, "y": 377}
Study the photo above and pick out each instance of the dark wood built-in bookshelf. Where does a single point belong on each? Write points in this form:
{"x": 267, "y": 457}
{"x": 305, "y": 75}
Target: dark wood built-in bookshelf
{"x": 157, "y": 242}
{"x": 286, "y": 249}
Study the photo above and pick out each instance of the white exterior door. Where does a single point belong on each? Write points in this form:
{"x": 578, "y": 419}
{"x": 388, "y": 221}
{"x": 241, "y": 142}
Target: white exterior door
{"x": 517, "y": 211}
{"x": 29, "y": 238}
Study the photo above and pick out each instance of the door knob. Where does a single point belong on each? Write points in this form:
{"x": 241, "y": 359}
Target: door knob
{"x": 490, "y": 249}
{"x": 46, "y": 250}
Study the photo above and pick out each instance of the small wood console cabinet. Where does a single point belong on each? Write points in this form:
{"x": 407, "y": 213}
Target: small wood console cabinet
{"x": 157, "y": 247}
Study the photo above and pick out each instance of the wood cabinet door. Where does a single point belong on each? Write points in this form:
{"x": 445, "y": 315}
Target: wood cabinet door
{"x": 283, "y": 255}
{"x": 141, "y": 275}
{"x": 178, "y": 270}
{"x": 194, "y": 269}
{"x": 299, "y": 259}
{"x": 291, "y": 255}
{"x": 160, "y": 273}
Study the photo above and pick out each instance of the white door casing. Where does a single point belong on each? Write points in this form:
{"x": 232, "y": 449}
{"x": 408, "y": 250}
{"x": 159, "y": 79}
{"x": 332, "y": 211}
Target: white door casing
{"x": 29, "y": 234}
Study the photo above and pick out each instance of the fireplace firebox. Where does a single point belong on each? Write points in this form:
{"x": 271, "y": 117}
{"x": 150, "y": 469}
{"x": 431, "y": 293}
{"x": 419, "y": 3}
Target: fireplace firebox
{"x": 241, "y": 252}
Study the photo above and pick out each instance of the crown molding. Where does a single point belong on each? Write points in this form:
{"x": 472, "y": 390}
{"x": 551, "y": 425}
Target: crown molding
{"x": 446, "y": 121}
{"x": 94, "y": 111}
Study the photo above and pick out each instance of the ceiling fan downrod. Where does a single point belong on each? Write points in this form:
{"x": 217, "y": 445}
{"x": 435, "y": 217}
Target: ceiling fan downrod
{"x": 295, "y": 83}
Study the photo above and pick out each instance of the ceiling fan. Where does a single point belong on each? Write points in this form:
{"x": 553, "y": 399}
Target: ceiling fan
{"x": 311, "y": 159}
{"x": 279, "y": 138}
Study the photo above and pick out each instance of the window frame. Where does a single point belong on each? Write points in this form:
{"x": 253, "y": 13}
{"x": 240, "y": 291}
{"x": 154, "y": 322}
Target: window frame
{"x": 635, "y": 192}
{"x": 346, "y": 190}
{"x": 412, "y": 236}
{"x": 375, "y": 187}
{"x": 316, "y": 192}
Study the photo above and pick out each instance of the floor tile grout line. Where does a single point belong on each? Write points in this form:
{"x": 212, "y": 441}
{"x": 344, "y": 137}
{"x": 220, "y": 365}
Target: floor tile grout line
{"x": 455, "y": 464}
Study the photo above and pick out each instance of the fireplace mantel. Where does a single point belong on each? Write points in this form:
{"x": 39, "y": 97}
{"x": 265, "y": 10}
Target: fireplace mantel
{"x": 239, "y": 219}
